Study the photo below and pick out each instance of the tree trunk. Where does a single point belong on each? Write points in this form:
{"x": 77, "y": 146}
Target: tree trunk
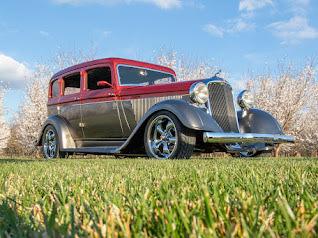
{"x": 277, "y": 150}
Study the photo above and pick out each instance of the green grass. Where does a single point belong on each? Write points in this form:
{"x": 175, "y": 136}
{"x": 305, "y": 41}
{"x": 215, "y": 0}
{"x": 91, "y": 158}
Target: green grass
{"x": 139, "y": 198}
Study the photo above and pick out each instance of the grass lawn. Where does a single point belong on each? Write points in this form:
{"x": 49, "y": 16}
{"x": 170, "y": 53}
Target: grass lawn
{"x": 150, "y": 198}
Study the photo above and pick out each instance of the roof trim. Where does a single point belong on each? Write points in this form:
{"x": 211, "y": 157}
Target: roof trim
{"x": 114, "y": 61}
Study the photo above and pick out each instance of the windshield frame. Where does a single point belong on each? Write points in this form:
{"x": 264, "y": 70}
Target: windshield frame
{"x": 146, "y": 68}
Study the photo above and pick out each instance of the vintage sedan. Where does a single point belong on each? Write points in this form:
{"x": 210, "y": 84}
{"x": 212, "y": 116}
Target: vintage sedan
{"x": 126, "y": 107}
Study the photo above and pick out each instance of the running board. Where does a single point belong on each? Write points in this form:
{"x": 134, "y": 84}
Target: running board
{"x": 100, "y": 150}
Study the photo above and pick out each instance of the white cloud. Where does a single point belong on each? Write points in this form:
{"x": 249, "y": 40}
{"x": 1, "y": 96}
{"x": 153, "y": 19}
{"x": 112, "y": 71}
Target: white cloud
{"x": 44, "y": 33}
{"x": 233, "y": 26}
{"x": 214, "y": 30}
{"x": 300, "y": 3}
{"x": 252, "y": 5}
{"x": 164, "y": 4}
{"x": 12, "y": 72}
{"x": 299, "y": 7}
{"x": 294, "y": 30}
{"x": 194, "y": 4}
{"x": 239, "y": 25}
{"x": 106, "y": 34}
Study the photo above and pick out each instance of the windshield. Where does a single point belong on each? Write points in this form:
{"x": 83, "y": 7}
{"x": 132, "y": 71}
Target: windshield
{"x": 129, "y": 75}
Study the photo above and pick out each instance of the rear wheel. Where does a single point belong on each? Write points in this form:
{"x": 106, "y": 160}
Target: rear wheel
{"x": 166, "y": 138}
{"x": 50, "y": 144}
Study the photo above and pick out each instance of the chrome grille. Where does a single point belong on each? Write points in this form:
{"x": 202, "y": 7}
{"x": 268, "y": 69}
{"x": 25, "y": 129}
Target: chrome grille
{"x": 222, "y": 106}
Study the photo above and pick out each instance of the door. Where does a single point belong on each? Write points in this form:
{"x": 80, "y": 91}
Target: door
{"x": 99, "y": 107}
{"x": 70, "y": 105}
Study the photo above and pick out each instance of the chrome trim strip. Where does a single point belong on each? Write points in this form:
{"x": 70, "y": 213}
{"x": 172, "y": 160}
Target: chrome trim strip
{"x": 122, "y": 108}
{"x": 120, "y": 122}
{"x": 212, "y": 137}
{"x": 118, "y": 100}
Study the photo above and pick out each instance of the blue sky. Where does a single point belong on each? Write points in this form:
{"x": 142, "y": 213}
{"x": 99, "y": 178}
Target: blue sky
{"x": 240, "y": 36}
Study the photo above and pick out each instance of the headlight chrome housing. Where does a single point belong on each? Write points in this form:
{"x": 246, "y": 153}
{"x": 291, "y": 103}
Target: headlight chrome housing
{"x": 199, "y": 93}
{"x": 245, "y": 100}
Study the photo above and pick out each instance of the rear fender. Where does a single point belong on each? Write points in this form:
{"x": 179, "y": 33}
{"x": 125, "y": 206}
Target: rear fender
{"x": 66, "y": 140}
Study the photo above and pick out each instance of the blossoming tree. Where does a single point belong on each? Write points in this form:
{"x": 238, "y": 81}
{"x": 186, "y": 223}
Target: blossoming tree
{"x": 291, "y": 96}
{"x": 4, "y": 129}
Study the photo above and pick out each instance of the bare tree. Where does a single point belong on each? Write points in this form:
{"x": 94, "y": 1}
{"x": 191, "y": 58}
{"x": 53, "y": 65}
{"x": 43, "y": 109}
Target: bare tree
{"x": 291, "y": 96}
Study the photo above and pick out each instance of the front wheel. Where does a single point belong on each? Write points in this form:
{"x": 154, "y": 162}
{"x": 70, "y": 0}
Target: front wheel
{"x": 50, "y": 144}
{"x": 166, "y": 138}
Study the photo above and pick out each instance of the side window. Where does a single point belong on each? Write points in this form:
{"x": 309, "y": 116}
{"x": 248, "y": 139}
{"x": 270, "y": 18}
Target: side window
{"x": 55, "y": 88}
{"x": 99, "y": 78}
{"x": 72, "y": 84}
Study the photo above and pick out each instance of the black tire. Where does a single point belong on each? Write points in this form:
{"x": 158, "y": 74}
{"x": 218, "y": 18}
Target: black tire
{"x": 184, "y": 138}
{"x": 58, "y": 153}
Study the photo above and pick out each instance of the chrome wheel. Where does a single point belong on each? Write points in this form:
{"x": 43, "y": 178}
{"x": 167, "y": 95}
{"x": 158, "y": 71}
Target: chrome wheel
{"x": 50, "y": 144}
{"x": 162, "y": 137}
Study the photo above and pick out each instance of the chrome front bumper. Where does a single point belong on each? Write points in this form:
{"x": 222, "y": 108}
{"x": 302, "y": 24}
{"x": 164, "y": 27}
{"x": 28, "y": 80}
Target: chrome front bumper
{"x": 227, "y": 138}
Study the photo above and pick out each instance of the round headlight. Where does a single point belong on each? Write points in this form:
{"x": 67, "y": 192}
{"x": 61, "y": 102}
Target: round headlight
{"x": 245, "y": 100}
{"x": 199, "y": 93}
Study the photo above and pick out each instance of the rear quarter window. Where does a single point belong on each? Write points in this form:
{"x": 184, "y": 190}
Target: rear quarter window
{"x": 55, "y": 88}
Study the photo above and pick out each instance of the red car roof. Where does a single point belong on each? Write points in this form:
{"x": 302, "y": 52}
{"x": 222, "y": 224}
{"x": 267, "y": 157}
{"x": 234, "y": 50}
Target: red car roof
{"x": 114, "y": 61}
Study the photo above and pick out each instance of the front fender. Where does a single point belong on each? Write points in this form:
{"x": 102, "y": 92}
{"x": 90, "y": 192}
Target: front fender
{"x": 258, "y": 121}
{"x": 66, "y": 140}
{"x": 190, "y": 116}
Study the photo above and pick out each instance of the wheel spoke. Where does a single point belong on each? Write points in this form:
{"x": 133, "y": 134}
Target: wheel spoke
{"x": 51, "y": 152}
{"x": 169, "y": 126}
{"x": 47, "y": 137}
{"x": 156, "y": 144}
{"x": 51, "y": 136}
{"x": 172, "y": 140}
{"x": 52, "y": 147}
{"x": 159, "y": 129}
{"x": 165, "y": 149}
